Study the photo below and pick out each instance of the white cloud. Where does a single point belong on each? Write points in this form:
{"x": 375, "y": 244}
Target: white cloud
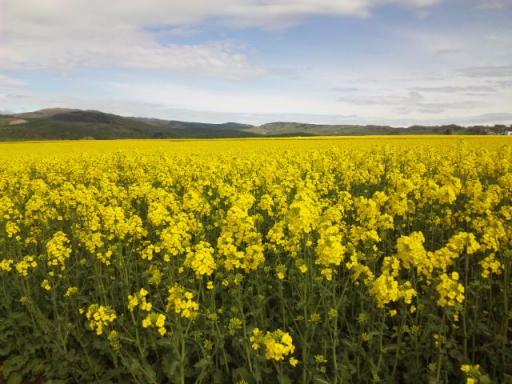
{"x": 10, "y": 81}
{"x": 386, "y": 101}
{"x": 278, "y": 13}
{"x": 489, "y": 71}
{"x": 64, "y": 42}
{"x": 455, "y": 89}
{"x": 216, "y": 59}
{"x": 177, "y": 12}
{"x": 495, "y": 4}
{"x": 227, "y": 101}
{"x": 66, "y": 34}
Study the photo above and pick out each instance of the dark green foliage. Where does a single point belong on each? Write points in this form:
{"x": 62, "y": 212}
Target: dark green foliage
{"x": 69, "y": 124}
{"x": 76, "y": 125}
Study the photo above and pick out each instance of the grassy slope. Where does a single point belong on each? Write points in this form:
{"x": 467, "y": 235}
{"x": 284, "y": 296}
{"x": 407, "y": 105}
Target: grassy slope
{"x": 286, "y": 129}
{"x": 98, "y": 125}
{"x": 61, "y": 124}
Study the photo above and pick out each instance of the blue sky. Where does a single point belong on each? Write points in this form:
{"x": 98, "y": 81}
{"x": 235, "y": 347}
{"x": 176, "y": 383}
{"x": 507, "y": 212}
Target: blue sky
{"x": 398, "y": 62}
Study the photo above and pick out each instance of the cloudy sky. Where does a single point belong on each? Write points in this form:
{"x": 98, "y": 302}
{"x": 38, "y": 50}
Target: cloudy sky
{"x": 397, "y": 62}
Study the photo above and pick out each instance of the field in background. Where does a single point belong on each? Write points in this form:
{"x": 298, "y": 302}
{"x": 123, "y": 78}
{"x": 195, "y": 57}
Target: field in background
{"x": 318, "y": 260}
{"x": 60, "y": 148}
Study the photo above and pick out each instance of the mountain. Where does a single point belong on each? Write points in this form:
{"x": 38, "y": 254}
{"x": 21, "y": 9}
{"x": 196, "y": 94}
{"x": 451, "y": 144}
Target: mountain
{"x": 73, "y": 124}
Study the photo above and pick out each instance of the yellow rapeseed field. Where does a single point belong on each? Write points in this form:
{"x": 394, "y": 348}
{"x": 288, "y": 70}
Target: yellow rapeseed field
{"x": 294, "y": 260}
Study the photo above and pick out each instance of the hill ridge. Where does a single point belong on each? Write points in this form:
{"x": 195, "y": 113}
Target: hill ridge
{"x": 69, "y": 123}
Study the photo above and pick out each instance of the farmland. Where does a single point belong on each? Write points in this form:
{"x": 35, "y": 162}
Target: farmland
{"x": 318, "y": 260}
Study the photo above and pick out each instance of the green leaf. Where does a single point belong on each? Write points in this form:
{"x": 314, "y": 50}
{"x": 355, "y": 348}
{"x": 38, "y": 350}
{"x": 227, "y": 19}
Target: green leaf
{"x": 203, "y": 363}
{"x": 15, "y": 378}
{"x": 13, "y": 364}
{"x": 169, "y": 366}
{"x": 243, "y": 373}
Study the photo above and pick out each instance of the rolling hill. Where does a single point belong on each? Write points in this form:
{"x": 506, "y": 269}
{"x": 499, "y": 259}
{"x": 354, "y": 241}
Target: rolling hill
{"x": 64, "y": 124}
{"x": 74, "y": 124}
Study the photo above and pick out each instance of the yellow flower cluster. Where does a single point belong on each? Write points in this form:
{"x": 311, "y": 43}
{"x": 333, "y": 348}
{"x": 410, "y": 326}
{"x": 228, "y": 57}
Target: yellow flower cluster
{"x": 411, "y": 252}
{"x": 149, "y": 252}
{"x": 100, "y": 317}
{"x": 6, "y": 265}
{"x": 240, "y": 244}
{"x": 12, "y": 230}
{"x": 156, "y": 320}
{"x": 278, "y": 344}
{"x": 139, "y": 299}
{"x": 58, "y": 250}
{"x": 283, "y": 233}
{"x": 200, "y": 258}
{"x": 45, "y": 284}
{"x": 386, "y": 290}
{"x": 491, "y": 265}
{"x": 181, "y": 302}
{"x": 175, "y": 238}
{"x": 25, "y": 265}
{"x": 330, "y": 249}
{"x": 71, "y": 291}
{"x": 234, "y": 325}
{"x": 451, "y": 292}
{"x": 474, "y": 374}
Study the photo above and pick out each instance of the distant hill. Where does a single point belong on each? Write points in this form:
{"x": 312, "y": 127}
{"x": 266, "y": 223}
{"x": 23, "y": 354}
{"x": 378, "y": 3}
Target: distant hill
{"x": 286, "y": 128}
{"x": 191, "y": 125}
{"x": 47, "y": 112}
{"x": 73, "y": 124}
{"x": 291, "y": 129}
{"x": 67, "y": 124}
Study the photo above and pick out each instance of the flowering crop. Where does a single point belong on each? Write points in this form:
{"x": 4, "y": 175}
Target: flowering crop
{"x": 281, "y": 260}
